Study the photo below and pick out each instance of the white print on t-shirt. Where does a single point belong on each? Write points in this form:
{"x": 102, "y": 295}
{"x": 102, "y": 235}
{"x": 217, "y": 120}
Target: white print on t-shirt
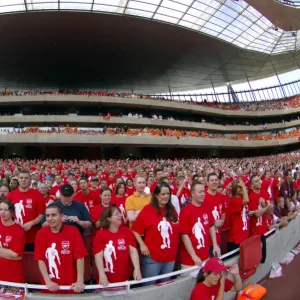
{"x": 0, "y": 242}
{"x": 198, "y": 231}
{"x": 182, "y": 199}
{"x": 216, "y": 215}
{"x": 121, "y": 244}
{"x": 259, "y": 219}
{"x": 65, "y": 247}
{"x": 19, "y": 209}
{"x": 51, "y": 254}
{"x": 49, "y": 202}
{"x": 164, "y": 227}
{"x": 108, "y": 251}
{"x": 91, "y": 203}
{"x": 7, "y": 240}
{"x": 28, "y": 203}
{"x": 86, "y": 206}
{"x": 244, "y": 218}
{"x": 123, "y": 212}
{"x": 57, "y": 194}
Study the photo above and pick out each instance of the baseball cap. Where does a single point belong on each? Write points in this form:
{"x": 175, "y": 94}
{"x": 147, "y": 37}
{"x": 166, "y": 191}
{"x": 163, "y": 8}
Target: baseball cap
{"x": 67, "y": 190}
{"x": 71, "y": 174}
{"x": 215, "y": 265}
{"x": 94, "y": 179}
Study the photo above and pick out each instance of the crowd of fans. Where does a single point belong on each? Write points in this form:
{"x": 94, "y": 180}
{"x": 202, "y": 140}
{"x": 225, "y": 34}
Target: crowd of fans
{"x": 268, "y": 136}
{"x": 52, "y": 206}
{"x": 268, "y": 105}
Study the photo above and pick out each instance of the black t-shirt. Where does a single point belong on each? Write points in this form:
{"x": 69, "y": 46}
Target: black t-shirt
{"x": 75, "y": 209}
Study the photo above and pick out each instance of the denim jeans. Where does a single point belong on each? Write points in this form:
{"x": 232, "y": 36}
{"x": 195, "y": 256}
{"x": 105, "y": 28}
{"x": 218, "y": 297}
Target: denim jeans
{"x": 151, "y": 268}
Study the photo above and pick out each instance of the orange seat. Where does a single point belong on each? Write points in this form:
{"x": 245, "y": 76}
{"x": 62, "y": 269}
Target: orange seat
{"x": 250, "y": 256}
{"x": 31, "y": 268}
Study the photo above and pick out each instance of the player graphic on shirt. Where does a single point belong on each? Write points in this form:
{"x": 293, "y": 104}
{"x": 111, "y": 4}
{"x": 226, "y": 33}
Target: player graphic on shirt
{"x": 86, "y": 206}
{"x": 108, "y": 251}
{"x": 123, "y": 212}
{"x": 244, "y": 218}
{"x": 216, "y": 215}
{"x": 198, "y": 231}
{"x": 164, "y": 227}
{"x": 182, "y": 199}
{"x": 51, "y": 254}
{"x": 259, "y": 219}
{"x": 19, "y": 209}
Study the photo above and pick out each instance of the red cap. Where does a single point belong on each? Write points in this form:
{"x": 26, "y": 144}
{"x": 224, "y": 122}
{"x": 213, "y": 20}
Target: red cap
{"x": 215, "y": 265}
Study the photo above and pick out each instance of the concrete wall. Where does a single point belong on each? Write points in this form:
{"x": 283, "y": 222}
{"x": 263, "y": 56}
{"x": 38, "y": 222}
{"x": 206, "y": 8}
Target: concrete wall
{"x": 145, "y": 103}
{"x": 144, "y": 140}
{"x": 143, "y": 122}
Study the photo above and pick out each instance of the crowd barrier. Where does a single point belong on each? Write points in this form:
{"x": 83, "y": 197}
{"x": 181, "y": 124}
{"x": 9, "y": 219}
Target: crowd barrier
{"x": 279, "y": 242}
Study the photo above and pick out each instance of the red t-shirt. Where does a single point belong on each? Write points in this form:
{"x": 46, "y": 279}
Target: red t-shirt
{"x": 48, "y": 200}
{"x": 13, "y": 238}
{"x": 90, "y": 200}
{"x": 60, "y": 251}
{"x": 116, "y": 257}
{"x": 96, "y": 212}
{"x": 275, "y": 189}
{"x": 130, "y": 190}
{"x": 120, "y": 203}
{"x": 161, "y": 235}
{"x": 258, "y": 226}
{"x": 267, "y": 186}
{"x": 217, "y": 208}
{"x": 153, "y": 186}
{"x": 55, "y": 191}
{"x": 28, "y": 206}
{"x": 183, "y": 196}
{"x": 203, "y": 292}
{"x": 195, "y": 222}
{"x": 226, "y": 200}
{"x": 239, "y": 222}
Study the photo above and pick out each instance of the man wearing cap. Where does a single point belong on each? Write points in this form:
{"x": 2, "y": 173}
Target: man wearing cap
{"x": 75, "y": 213}
{"x": 212, "y": 282}
{"x": 95, "y": 185}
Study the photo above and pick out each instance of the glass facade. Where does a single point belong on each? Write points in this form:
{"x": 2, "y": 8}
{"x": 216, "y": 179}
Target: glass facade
{"x": 235, "y": 22}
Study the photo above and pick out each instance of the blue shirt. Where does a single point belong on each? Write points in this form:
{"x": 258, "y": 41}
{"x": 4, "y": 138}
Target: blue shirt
{"x": 75, "y": 209}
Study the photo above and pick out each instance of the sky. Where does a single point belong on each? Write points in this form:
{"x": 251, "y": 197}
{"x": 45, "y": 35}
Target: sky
{"x": 255, "y": 84}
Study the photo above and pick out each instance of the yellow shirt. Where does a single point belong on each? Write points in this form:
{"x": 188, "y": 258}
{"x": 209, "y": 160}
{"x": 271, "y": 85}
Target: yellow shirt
{"x": 136, "y": 203}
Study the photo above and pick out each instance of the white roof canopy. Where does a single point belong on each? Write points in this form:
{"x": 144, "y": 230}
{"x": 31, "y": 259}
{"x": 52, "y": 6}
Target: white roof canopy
{"x": 235, "y": 22}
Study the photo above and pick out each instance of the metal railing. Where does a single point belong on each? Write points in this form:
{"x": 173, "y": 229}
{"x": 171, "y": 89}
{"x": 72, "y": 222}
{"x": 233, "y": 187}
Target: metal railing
{"x": 126, "y": 284}
{"x": 283, "y": 91}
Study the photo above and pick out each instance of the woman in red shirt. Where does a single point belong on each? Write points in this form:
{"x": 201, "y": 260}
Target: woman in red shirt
{"x": 158, "y": 223}
{"x": 119, "y": 200}
{"x": 114, "y": 249}
{"x": 12, "y": 242}
{"x": 239, "y": 215}
{"x": 130, "y": 189}
{"x": 212, "y": 281}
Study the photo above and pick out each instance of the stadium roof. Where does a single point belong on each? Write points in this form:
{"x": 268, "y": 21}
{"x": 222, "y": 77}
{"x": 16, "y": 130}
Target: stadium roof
{"x": 235, "y": 22}
{"x": 149, "y": 46}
